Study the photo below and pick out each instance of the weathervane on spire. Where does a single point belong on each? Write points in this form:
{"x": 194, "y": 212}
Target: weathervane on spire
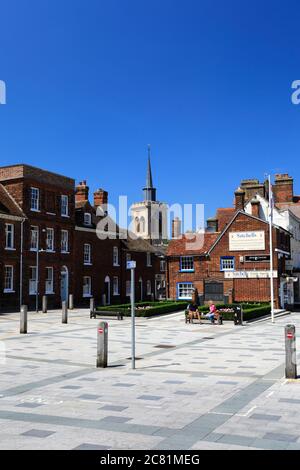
{"x": 149, "y": 190}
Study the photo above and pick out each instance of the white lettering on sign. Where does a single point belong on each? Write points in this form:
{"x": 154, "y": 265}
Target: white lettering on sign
{"x": 247, "y": 241}
{"x": 249, "y": 274}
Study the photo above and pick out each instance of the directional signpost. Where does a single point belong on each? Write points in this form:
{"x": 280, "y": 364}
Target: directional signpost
{"x": 132, "y": 265}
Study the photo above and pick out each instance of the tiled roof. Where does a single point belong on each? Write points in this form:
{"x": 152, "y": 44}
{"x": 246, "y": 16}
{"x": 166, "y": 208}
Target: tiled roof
{"x": 8, "y": 204}
{"x": 189, "y": 245}
{"x": 139, "y": 245}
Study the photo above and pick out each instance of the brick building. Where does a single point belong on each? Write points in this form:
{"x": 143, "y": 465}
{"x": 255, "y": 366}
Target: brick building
{"x": 232, "y": 263}
{"x": 101, "y": 254}
{"x": 46, "y": 202}
{"x": 50, "y": 243}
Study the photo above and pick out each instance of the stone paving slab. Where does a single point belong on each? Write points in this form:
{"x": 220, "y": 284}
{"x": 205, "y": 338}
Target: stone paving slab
{"x": 218, "y": 387}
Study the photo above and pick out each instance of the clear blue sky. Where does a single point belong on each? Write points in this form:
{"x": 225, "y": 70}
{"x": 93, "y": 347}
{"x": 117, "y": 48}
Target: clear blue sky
{"x": 206, "y": 83}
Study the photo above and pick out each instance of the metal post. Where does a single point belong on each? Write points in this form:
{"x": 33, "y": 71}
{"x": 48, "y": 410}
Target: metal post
{"x": 290, "y": 352}
{"x": 132, "y": 320}
{"x": 37, "y": 272}
{"x": 102, "y": 344}
{"x": 271, "y": 248}
{"x": 64, "y": 312}
{"x": 71, "y": 302}
{"x": 23, "y": 319}
{"x": 44, "y": 304}
{"x": 92, "y": 305}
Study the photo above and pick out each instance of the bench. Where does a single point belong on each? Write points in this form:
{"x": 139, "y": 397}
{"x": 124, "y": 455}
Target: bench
{"x": 218, "y": 318}
{"x": 106, "y": 313}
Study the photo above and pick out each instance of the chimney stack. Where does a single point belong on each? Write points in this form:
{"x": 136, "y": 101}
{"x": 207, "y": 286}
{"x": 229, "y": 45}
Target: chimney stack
{"x": 283, "y": 188}
{"x": 239, "y": 199}
{"x": 212, "y": 224}
{"x": 176, "y": 228}
{"x": 255, "y": 206}
{"x": 101, "y": 199}
{"x": 82, "y": 192}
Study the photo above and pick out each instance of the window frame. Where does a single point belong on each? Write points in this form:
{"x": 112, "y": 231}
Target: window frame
{"x": 64, "y": 197}
{"x": 34, "y": 228}
{"x": 50, "y": 230}
{"x": 149, "y": 284}
{"x": 187, "y": 297}
{"x": 89, "y": 223}
{"x": 116, "y": 287}
{"x": 36, "y": 206}
{"x": 148, "y": 260}
{"x": 116, "y": 256}
{"x": 183, "y": 259}
{"x": 227, "y": 258}
{"x": 32, "y": 281}
{"x": 89, "y": 293}
{"x": 63, "y": 231}
{"x": 12, "y": 235}
{"x": 87, "y": 254}
{"x": 49, "y": 280}
{"x": 8, "y": 290}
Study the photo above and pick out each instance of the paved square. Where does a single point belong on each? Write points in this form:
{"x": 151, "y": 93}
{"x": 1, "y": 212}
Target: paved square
{"x": 217, "y": 387}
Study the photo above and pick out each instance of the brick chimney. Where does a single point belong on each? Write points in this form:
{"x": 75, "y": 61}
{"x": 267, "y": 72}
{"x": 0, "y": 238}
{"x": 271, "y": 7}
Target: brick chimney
{"x": 82, "y": 192}
{"x": 239, "y": 199}
{"x": 255, "y": 206}
{"x": 176, "y": 228}
{"x": 101, "y": 199}
{"x": 212, "y": 224}
{"x": 283, "y": 188}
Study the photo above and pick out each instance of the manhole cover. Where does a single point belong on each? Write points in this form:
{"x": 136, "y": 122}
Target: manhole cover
{"x": 165, "y": 346}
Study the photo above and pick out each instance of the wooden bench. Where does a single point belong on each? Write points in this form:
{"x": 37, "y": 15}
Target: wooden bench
{"x": 106, "y": 313}
{"x": 218, "y": 318}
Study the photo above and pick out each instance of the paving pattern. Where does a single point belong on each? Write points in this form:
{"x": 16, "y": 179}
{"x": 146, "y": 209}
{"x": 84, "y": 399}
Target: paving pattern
{"x": 195, "y": 386}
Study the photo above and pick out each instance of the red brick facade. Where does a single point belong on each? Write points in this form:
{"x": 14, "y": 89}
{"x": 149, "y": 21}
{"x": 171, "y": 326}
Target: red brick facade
{"x": 43, "y": 205}
{"x": 208, "y": 275}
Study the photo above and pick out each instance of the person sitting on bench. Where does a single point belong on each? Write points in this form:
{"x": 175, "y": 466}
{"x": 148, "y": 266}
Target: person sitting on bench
{"x": 193, "y": 311}
{"x": 212, "y": 312}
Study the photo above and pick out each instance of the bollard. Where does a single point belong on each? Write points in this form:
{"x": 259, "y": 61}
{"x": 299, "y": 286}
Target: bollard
{"x": 44, "y": 304}
{"x": 64, "y": 312}
{"x": 92, "y": 305}
{"x": 71, "y": 302}
{"x": 23, "y": 319}
{"x": 102, "y": 344}
{"x": 290, "y": 352}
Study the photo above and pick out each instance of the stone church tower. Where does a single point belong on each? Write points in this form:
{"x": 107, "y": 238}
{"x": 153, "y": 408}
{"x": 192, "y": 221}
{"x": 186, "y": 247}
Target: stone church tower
{"x": 150, "y": 217}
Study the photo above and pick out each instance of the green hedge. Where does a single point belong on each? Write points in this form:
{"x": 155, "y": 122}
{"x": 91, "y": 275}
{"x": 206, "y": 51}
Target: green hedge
{"x": 157, "y": 308}
{"x": 250, "y": 311}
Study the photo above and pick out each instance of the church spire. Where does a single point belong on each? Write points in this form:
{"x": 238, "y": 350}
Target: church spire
{"x": 149, "y": 190}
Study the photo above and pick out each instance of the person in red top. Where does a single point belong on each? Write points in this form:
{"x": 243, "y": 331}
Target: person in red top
{"x": 212, "y": 311}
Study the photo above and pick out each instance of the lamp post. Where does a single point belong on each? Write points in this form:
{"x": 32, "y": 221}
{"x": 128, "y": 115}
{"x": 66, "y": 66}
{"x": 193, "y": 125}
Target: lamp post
{"x": 271, "y": 248}
{"x": 132, "y": 265}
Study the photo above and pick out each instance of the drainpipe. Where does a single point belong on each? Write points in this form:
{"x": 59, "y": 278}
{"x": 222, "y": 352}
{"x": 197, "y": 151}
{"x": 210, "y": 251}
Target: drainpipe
{"x": 21, "y": 262}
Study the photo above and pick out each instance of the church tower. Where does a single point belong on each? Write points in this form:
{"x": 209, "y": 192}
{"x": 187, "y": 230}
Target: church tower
{"x": 150, "y": 217}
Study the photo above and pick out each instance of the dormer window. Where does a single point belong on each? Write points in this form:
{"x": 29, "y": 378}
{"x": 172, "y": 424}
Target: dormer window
{"x": 87, "y": 219}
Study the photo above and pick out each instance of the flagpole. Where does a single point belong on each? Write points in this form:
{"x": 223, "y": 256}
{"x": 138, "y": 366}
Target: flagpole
{"x": 271, "y": 249}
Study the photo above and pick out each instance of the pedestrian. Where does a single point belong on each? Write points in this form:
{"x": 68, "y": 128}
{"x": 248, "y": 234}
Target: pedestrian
{"x": 212, "y": 311}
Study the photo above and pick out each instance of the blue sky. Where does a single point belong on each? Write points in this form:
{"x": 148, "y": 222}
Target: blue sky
{"x": 207, "y": 84}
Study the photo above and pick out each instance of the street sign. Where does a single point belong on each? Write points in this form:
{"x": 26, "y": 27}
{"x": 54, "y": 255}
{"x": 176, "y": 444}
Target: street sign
{"x": 131, "y": 264}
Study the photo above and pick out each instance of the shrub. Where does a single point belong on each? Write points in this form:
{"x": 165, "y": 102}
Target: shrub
{"x": 156, "y": 308}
